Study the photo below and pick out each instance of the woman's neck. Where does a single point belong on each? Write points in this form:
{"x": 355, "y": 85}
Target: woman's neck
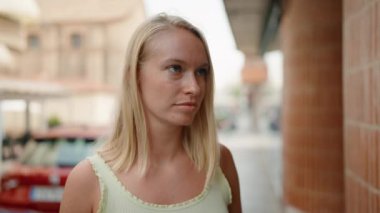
{"x": 165, "y": 143}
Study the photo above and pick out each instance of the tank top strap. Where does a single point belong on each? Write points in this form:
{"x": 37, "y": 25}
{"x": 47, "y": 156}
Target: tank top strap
{"x": 222, "y": 182}
{"x": 101, "y": 170}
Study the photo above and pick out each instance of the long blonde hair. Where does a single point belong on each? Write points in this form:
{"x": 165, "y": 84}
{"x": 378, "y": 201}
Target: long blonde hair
{"x": 130, "y": 137}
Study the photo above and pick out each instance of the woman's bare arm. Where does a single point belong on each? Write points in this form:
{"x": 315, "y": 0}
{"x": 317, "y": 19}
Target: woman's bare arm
{"x": 229, "y": 169}
{"x": 81, "y": 190}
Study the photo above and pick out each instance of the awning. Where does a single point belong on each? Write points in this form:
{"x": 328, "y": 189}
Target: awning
{"x": 30, "y": 90}
{"x": 6, "y": 58}
{"x": 25, "y": 11}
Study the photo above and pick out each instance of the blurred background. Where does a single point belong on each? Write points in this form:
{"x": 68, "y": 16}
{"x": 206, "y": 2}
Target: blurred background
{"x": 297, "y": 95}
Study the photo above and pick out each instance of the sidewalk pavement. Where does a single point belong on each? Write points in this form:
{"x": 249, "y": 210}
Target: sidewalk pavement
{"x": 259, "y": 164}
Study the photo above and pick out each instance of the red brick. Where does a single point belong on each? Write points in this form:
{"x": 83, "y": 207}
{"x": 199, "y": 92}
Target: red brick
{"x": 359, "y": 96}
{"x": 376, "y": 29}
{"x": 313, "y": 150}
{"x": 372, "y": 102}
{"x": 374, "y": 208}
{"x": 376, "y": 95}
{"x": 362, "y": 103}
{"x": 353, "y": 41}
{"x": 371, "y": 160}
{"x": 356, "y": 150}
{"x": 373, "y": 203}
{"x": 378, "y": 159}
{"x": 351, "y": 7}
{"x": 348, "y": 99}
{"x": 373, "y": 22}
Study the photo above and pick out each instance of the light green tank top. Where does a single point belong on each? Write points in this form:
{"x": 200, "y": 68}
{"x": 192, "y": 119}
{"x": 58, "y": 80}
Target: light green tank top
{"x": 115, "y": 198}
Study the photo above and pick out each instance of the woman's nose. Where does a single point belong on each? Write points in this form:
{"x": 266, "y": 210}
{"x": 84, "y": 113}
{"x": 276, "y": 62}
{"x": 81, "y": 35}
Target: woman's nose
{"x": 191, "y": 84}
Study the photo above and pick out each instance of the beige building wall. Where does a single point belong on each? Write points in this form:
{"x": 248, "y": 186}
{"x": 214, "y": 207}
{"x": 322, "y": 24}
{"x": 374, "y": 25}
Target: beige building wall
{"x": 11, "y": 33}
{"x": 118, "y": 36}
{"x": 101, "y": 40}
{"x": 81, "y": 46}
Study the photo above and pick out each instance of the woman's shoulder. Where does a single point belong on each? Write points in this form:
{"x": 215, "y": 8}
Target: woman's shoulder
{"x": 81, "y": 189}
{"x": 83, "y": 173}
{"x": 227, "y": 165}
{"x": 226, "y": 158}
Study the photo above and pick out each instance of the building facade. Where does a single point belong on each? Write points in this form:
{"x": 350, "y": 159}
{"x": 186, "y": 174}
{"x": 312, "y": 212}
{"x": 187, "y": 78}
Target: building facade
{"x": 81, "y": 47}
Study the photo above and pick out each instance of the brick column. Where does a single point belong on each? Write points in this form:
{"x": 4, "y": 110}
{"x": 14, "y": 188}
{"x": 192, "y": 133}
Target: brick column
{"x": 362, "y": 104}
{"x": 313, "y": 120}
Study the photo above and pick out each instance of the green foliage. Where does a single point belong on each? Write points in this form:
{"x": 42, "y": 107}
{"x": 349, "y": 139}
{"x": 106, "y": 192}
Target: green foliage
{"x": 54, "y": 121}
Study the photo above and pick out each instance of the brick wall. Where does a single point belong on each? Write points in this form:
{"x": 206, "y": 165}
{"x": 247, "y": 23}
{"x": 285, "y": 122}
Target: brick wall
{"x": 361, "y": 43}
{"x": 313, "y": 106}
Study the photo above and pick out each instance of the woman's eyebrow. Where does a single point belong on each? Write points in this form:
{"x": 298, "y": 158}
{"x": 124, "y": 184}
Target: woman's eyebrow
{"x": 206, "y": 64}
{"x": 177, "y": 60}
{"x": 174, "y": 60}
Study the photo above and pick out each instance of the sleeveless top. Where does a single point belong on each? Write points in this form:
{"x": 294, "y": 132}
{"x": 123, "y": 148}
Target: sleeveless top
{"x": 115, "y": 198}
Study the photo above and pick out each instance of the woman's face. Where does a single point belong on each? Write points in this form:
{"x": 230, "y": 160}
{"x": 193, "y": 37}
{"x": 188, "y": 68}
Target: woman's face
{"x": 172, "y": 79}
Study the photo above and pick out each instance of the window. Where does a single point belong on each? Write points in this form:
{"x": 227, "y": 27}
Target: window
{"x": 76, "y": 41}
{"x": 33, "y": 42}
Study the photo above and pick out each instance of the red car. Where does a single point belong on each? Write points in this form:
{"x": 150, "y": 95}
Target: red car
{"x": 36, "y": 180}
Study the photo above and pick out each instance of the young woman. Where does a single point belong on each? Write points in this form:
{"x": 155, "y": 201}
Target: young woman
{"x": 163, "y": 155}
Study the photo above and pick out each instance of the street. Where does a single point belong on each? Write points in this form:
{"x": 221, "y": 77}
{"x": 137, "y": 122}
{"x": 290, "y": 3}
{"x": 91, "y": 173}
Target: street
{"x": 258, "y": 161}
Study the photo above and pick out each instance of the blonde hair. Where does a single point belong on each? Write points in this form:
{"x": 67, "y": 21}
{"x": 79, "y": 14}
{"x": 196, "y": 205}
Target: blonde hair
{"x": 130, "y": 137}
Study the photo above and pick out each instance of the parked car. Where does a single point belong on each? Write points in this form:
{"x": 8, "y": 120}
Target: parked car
{"x": 35, "y": 181}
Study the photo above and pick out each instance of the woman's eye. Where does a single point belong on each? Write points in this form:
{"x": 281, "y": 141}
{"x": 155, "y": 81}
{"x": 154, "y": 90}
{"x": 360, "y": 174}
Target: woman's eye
{"x": 202, "y": 72}
{"x": 175, "y": 68}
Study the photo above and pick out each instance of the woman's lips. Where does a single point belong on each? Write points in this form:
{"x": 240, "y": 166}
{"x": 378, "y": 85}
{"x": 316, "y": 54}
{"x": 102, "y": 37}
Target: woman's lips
{"x": 187, "y": 106}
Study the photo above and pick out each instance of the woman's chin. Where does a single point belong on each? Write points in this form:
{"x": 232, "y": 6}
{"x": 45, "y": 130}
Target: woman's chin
{"x": 184, "y": 121}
